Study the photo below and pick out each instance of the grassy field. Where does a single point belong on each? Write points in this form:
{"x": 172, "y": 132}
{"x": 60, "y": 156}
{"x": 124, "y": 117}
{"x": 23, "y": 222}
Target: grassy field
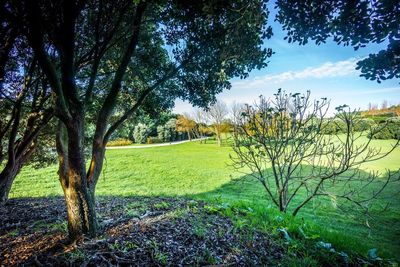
{"x": 202, "y": 171}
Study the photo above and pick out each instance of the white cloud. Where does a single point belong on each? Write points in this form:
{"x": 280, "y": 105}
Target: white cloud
{"x": 326, "y": 70}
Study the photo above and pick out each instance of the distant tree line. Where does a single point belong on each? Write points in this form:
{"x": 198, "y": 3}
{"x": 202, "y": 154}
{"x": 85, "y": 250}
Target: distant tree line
{"x": 215, "y": 122}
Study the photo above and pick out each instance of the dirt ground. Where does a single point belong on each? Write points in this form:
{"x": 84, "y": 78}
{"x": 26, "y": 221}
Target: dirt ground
{"x": 133, "y": 231}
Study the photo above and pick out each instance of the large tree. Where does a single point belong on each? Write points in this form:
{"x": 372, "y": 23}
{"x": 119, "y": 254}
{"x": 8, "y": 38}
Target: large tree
{"x": 355, "y": 23}
{"x": 96, "y": 54}
{"x": 25, "y": 107}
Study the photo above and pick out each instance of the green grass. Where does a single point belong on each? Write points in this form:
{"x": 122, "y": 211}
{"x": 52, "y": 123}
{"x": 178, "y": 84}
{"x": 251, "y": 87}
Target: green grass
{"x": 201, "y": 171}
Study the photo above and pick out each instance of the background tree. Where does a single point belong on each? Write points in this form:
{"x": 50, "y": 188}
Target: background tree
{"x": 25, "y": 110}
{"x": 282, "y": 143}
{"x": 236, "y": 112}
{"x": 96, "y": 53}
{"x": 200, "y": 117}
{"x": 167, "y": 132}
{"x": 217, "y": 114}
{"x": 140, "y": 133}
{"x": 184, "y": 124}
{"x": 356, "y": 23}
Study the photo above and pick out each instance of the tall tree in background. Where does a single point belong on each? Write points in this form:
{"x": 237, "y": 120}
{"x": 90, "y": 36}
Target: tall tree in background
{"x": 236, "y": 112}
{"x": 200, "y": 117}
{"x": 95, "y": 53}
{"x": 354, "y": 23}
{"x": 185, "y": 124}
{"x": 217, "y": 114}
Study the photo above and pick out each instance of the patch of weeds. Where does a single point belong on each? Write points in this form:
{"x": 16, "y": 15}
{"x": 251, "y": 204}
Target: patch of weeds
{"x": 76, "y": 255}
{"x": 229, "y": 210}
{"x": 209, "y": 258}
{"x": 157, "y": 254}
{"x": 240, "y": 223}
{"x": 135, "y": 205}
{"x": 300, "y": 262}
{"x": 199, "y": 230}
{"x": 178, "y": 213}
{"x": 124, "y": 246}
{"x": 13, "y": 233}
{"x": 221, "y": 232}
{"x": 236, "y": 250}
{"x": 134, "y": 209}
{"x": 133, "y": 213}
{"x": 116, "y": 246}
{"x": 58, "y": 226}
{"x": 212, "y": 209}
{"x": 40, "y": 225}
{"x": 161, "y": 205}
{"x": 161, "y": 258}
{"x": 192, "y": 204}
{"x": 130, "y": 245}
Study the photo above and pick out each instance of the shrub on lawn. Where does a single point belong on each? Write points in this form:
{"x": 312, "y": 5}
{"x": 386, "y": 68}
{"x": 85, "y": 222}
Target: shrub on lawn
{"x": 120, "y": 142}
{"x": 388, "y": 130}
{"x": 364, "y": 125}
{"x": 333, "y": 126}
{"x": 154, "y": 140}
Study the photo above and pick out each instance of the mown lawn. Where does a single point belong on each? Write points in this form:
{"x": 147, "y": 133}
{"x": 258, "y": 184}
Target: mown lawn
{"x": 202, "y": 171}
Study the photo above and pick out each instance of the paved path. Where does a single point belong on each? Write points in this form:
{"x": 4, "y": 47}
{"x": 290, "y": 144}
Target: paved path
{"x": 155, "y": 145}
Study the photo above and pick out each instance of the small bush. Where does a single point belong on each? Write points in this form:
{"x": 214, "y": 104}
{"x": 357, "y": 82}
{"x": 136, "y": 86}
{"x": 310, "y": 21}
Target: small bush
{"x": 388, "y": 130}
{"x": 333, "y": 126}
{"x": 120, "y": 142}
{"x": 154, "y": 140}
{"x": 364, "y": 125}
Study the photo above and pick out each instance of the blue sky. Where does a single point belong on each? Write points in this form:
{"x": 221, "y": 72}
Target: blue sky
{"x": 327, "y": 70}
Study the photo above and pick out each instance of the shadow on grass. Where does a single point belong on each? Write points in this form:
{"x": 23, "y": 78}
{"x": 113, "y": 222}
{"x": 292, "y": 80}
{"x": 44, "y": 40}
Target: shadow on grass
{"x": 325, "y": 218}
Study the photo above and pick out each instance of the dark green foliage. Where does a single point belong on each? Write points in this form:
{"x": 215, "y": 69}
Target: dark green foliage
{"x": 202, "y": 24}
{"x": 364, "y": 124}
{"x": 333, "y": 126}
{"x": 381, "y": 117}
{"x": 387, "y": 130}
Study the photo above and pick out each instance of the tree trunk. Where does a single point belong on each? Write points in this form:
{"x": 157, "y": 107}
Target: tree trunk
{"x": 80, "y": 208}
{"x": 12, "y": 168}
{"x": 7, "y": 177}
{"x": 80, "y": 201}
{"x": 96, "y": 163}
{"x": 19, "y": 153}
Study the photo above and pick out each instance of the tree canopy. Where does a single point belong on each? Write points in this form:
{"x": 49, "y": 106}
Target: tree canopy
{"x": 355, "y": 23}
{"x": 105, "y": 60}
